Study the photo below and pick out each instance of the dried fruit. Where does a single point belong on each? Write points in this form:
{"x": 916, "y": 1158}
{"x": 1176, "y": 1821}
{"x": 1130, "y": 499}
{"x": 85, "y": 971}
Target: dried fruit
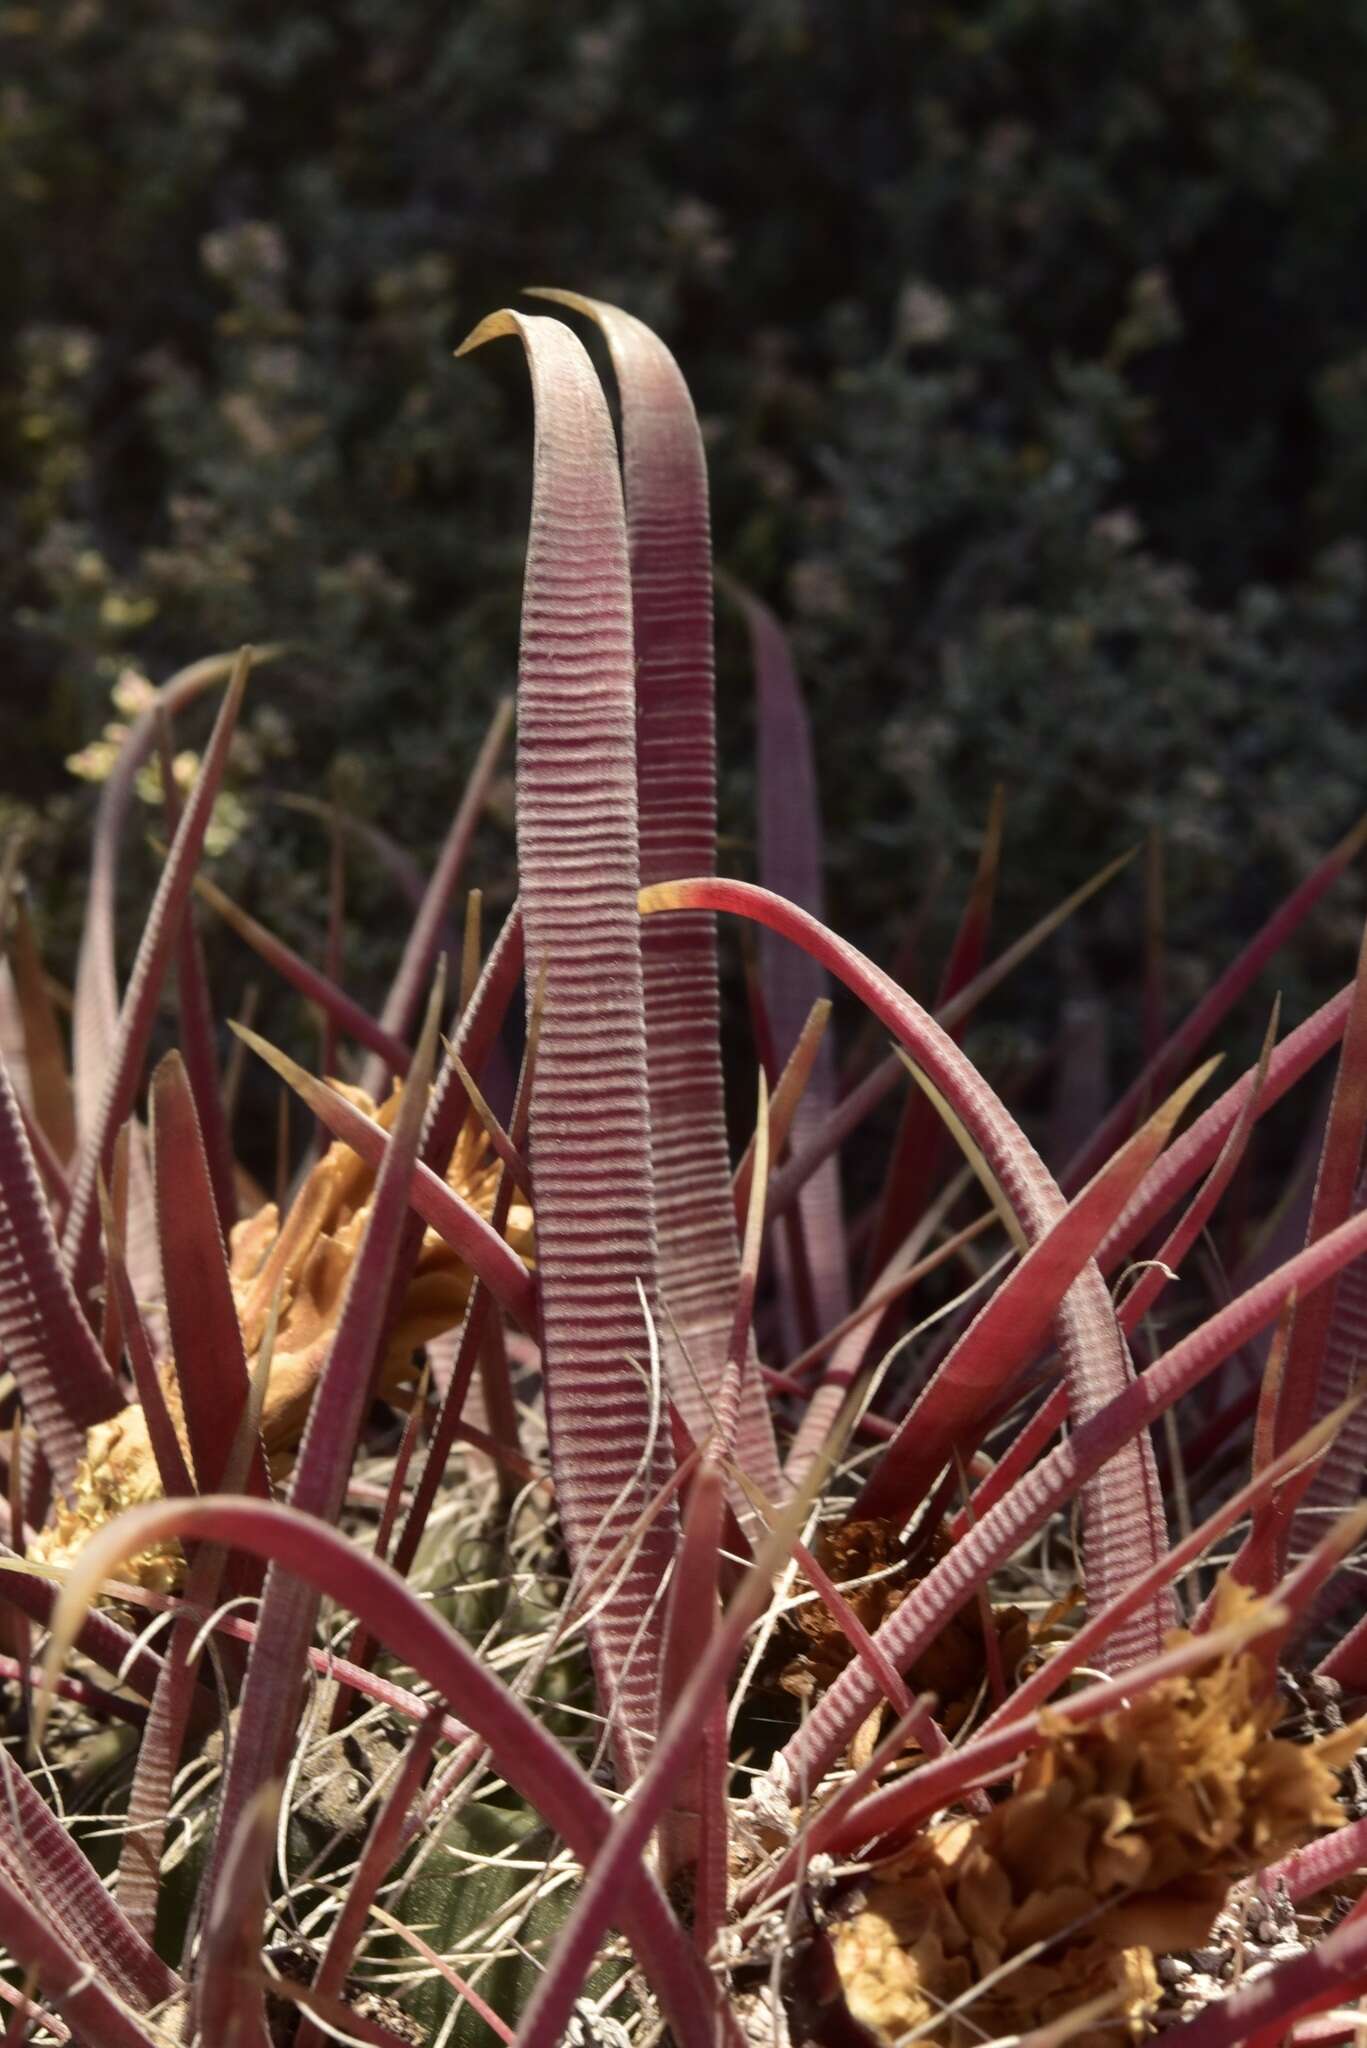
{"x": 1119, "y": 1841}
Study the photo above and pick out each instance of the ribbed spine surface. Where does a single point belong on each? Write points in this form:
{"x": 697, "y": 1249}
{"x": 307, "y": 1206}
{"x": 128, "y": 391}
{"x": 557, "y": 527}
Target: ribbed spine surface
{"x": 1338, "y": 1484}
{"x": 40, "y": 1859}
{"x": 80, "y": 1236}
{"x": 95, "y": 1023}
{"x": 790, "y": 863}
{"x": 1123, "y": 1528}
{"x": 45, "y": 1340}
{"x": 1122, "y": 1509}
{"x": 669, "y": 538}
{"x": 578, "y": 857}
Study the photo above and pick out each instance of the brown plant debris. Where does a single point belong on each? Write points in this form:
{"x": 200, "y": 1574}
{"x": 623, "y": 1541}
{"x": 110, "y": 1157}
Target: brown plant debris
{"x": 867, "y": 1563}
{"x": 309, "y": 1260}
{"x": 1117, "y": 1845}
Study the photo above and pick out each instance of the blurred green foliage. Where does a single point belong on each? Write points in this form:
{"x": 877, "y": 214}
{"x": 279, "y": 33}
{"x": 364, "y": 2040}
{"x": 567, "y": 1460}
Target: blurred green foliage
{"x": 1028, "y": 337}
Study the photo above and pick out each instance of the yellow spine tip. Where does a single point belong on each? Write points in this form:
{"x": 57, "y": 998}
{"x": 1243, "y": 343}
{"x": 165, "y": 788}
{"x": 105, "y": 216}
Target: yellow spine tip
{"x": 662, "y": 896}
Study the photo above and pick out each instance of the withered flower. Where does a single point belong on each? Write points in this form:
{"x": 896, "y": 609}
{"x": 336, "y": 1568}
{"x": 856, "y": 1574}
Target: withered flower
{"x": 1119, "y": 1841}
{"x": 308, "y": 1259}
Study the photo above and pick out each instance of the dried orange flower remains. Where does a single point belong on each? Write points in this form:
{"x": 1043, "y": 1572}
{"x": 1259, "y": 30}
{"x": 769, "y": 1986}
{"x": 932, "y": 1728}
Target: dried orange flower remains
{"x": 1118, "y": 1842}
{"x": 308, "y": 1259}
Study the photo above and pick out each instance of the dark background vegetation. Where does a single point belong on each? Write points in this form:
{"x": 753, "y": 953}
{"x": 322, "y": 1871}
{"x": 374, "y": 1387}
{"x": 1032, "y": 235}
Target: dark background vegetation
{"x": 1028, "y": 338}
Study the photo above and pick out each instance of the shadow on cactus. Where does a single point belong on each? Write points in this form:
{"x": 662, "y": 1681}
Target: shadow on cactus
{"x": 539, "y": 1578}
